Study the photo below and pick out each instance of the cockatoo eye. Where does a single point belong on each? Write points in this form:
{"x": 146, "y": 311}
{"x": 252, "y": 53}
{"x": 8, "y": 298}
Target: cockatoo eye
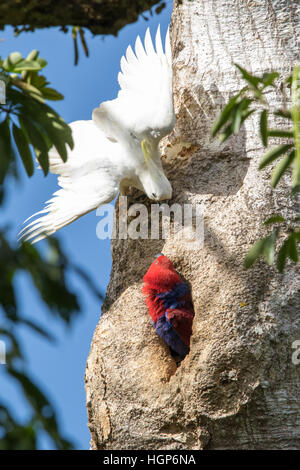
{"x": 133, "y": 136}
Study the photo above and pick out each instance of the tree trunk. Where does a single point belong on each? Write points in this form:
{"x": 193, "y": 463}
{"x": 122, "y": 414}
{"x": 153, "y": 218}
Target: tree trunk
{"x": 238, "y": 388}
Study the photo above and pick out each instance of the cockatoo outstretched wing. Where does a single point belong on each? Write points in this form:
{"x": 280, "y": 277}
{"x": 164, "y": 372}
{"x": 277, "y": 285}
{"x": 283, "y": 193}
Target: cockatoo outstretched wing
{"x": 87, "y": 180}
{"x": 94, "y": 168}
{"x": 145, "y": 100}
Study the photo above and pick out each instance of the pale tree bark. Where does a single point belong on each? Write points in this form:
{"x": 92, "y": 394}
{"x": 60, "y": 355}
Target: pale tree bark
{"x": 238, "y": 388}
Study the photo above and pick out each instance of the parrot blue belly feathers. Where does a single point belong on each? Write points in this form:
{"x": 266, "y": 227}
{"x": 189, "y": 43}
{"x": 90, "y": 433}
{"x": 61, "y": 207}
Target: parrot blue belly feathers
{"x": 169, "y": 303}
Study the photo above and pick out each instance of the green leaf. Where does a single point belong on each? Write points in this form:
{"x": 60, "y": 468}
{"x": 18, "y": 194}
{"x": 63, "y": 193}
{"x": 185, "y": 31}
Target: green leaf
{"x": 254, "y": 253}
{"x": 59, "y": 133}
{"x": 38, "y": 81}
{"x": 43, "y": 159}
{"x": 274, "y": 220}
{"x": 280, "y": 133}
{"x": 34, "y": 133}
{"x": 42, "y": 62}
{"x": 224, "y": 115}
{"x": 236, "y": 121}
{"x": 243, "y": 115}
{"x": 226, "y": 133}
{"x": 297, "y": 233}
{"x": 83, "y": 42}
{"x": 281, "y": 168}
{"x": 269, "y": 247}
{"x": 263, "y": 125}
{"x": 32, "y": 55}
{"x": 30, "y": 89}
{"x": 24, "y": 150}
{"x": 250, "y": 79}
{"x": 239, "y": 112}
{"x": 14, "y": 58}
{"x": 283, "y": 113}
{"x": 36, "y": 138}
{"x": 11, "y": 61}
{"x": 272, "y": 154}
{"x": 54, "y": 127}
{"x": 24, "y": 65}
{"x": 282, "y": 256}
{"x": 49, "y": 279}
{"x": 5, "y": 148}
{"x": 51, "y": 94}
{"x": 295, "y": 190}
{"x": 295, "y": 112}
{"x": 264, "y": 246}
{"x": 293, "y": 252}
{"x": 288, "y": 250}
{"x": 268, "y": 78}
{"x": 74, "y": 35}
{"x": 246, "y": 114}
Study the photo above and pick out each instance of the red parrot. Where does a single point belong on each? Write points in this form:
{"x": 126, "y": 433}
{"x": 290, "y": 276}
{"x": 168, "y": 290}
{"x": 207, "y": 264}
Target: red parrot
{"x": 170, "y": 306}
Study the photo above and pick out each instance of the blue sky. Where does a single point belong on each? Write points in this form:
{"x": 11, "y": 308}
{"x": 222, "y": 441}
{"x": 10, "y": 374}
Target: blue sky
{"x": 59, "y": 368}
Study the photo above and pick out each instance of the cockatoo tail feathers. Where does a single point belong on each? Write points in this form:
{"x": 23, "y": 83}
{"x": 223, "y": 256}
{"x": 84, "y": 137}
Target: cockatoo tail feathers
{"x": 86, "y": 181}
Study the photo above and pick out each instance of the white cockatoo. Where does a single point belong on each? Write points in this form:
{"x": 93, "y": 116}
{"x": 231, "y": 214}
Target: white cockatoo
{"x": 118, "y": 148}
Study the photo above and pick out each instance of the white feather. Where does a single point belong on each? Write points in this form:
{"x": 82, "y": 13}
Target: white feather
{"x": 148, "y": 44}
{"x": 139, "y": 49}
{"x": 107, "y": 150}
{"x": 130, "y": 56}
{"x": 168, "y": 47}
{"x": 86, "y": 179}
{"x": 158, "y": 44}
{"x": 145, "y": 100}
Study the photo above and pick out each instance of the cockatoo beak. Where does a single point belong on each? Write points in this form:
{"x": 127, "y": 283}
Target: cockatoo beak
{"x": 154, "y": 182}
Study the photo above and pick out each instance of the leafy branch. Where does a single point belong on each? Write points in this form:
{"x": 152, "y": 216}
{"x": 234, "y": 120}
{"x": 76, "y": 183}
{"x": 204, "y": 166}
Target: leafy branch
{"x": 28, "y": 127}
{"x": 78, "y": 30}
{"x": 28, "y": 123}
{"x": 48, "y": 274}
{"x": 253, "y": 98}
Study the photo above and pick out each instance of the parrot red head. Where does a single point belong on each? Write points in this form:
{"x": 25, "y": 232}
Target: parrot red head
{"x": 161, "y": 275}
